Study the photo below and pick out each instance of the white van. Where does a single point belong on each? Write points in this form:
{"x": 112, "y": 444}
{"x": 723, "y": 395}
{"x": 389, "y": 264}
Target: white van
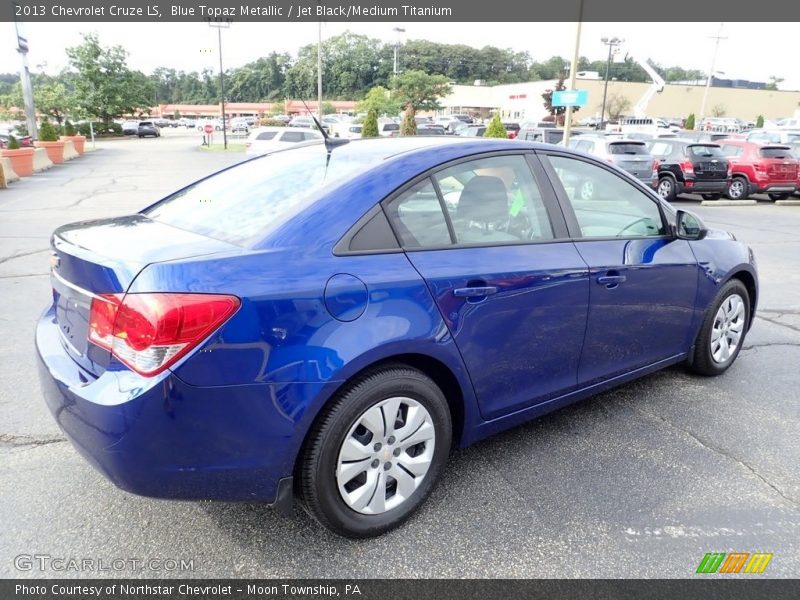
{"x": 644, "y": 125}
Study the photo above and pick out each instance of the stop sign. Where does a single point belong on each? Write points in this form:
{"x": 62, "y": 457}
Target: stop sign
{"x": 208, "y": 128}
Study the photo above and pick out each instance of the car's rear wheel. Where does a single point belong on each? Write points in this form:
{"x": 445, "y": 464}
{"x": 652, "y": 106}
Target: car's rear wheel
{"x": 586, "y": 190}
{"x": 375, "y": 454}
{"x": 666, "y": 188}
{"x": 774, "y": 197}
{"x": 723, "y": 331}
{"x": 737, "y": 189}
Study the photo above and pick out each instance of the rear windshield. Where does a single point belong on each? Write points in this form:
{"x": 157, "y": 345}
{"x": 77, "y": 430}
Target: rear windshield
{"x": 266, "y": 135}
{"x": 245, "y": 203}
{"x": 145, "y": 124}
{"x": 776, "y": 152}
{"x": 626, "y": 148}
{"x": 391, "y": 127}
{"x": 705, "y": 151}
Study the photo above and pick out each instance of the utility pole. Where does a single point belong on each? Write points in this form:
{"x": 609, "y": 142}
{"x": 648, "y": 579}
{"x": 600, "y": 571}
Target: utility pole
{"x": 25, "y": 78}
{"x": 611, "y": 43}
{"x": 573, "y": 74}
{"x": 220, "y": 25}
{"x": 716, "y": 39}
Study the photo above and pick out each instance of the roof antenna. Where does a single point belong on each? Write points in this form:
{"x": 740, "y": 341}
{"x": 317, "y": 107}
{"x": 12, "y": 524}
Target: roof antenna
{"x": 330, "y": 143}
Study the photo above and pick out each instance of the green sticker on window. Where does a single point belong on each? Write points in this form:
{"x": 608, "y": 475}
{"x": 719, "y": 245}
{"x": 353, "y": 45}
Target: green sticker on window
{"x": 518, "y": 204}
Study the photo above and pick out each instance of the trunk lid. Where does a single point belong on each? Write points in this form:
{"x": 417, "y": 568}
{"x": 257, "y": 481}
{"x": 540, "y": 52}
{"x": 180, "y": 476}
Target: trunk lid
{"x": 779, "y": 162}
{"x": 91, "y": 258}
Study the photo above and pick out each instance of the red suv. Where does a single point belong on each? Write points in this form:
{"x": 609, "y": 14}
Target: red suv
{"x": 757, "y": 168}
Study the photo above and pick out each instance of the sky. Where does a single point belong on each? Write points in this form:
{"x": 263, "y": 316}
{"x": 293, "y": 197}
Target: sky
{"x": 752, "y": 51}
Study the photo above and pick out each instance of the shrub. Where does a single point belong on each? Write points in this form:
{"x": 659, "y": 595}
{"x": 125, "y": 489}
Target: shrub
{"x": 760, "y": 121}
{"x": 13, "y": 143}
{"x": 495, "y": 128}
{"x": 370, "y": 127}
{"x": 69, "y": 129}
{"x": 690, "y": 122}
{"x": 267, "y": 122}
{"x": 47, "y": 133}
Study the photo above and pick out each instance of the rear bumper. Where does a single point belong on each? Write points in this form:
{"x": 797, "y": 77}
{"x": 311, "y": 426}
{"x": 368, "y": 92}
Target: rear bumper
{"x": 773, "y": 187}
{"x": 162, "y": 438}
{"x": 703, "y": 187}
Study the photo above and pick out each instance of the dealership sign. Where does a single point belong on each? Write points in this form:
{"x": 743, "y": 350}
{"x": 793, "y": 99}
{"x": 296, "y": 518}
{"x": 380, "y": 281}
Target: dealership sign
{"x": 570, "y": 98}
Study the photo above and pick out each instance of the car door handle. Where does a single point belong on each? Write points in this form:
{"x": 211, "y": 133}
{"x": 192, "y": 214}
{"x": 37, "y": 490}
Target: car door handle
{"x": 475, "y": 292}
{"x": 611, "y": 279}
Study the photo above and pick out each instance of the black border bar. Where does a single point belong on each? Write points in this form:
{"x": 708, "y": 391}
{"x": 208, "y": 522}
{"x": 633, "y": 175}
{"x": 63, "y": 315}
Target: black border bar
{"x": 702, "y": 587}
{"x": 443, "y": 11}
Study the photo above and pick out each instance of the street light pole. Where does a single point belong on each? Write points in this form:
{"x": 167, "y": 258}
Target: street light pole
{"x": 717, "y": 38}
{"x": 398, "y": 31}
{"x": 25, "y": 79}
{"x": 611, "y": 43}
{"x": 319, "y": 73}
{"x": 219, "y": 26}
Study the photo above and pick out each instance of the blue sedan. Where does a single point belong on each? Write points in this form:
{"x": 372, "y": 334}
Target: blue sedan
{"x": 326, "y": 323}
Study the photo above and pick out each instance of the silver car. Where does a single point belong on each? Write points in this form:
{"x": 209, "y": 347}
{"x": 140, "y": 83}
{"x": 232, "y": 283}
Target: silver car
{"x": 630, "y": 155}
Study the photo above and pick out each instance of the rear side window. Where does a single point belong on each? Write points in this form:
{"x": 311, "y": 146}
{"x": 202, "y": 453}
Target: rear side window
{"x": 660, "y": 149}
{"x": 266, "y": 135}
{"x": 705, "y": 152}
{"x": 293, "y": 136}
{"x": 626, "y": 148}
{"x": 730, "y": 150}
{"x": 244, "y": 204}
{"x": 418, "y": 218}
{"x": 777, "y": 152}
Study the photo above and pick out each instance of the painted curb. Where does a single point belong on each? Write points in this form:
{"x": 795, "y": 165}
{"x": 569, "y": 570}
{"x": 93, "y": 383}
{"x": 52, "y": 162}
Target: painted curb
{"x": 728, "y": 203}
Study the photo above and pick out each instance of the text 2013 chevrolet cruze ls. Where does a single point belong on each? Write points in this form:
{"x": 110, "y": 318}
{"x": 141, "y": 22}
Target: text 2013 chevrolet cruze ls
{"x": 328, "y": 324}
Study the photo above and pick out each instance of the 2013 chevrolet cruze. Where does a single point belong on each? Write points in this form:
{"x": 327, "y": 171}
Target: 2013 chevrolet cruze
{"x": 327, "y": 322}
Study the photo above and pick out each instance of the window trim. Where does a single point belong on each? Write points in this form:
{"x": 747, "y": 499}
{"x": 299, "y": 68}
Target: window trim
{"x": 554, "y": 212}
{"x": 569, "y": 212}
{"x": 342, "y": 247}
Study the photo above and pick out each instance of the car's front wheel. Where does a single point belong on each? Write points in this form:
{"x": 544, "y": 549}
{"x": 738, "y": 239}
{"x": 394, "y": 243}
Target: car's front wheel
{"x": 723, "y": 331}
{"x": 375, "y": 454}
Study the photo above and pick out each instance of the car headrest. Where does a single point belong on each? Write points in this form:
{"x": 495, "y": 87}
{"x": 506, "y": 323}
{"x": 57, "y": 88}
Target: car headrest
{"x": 484, "y": 199}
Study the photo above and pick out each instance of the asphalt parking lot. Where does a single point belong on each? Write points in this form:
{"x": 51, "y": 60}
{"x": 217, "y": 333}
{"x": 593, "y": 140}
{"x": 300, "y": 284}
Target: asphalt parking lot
{"x": 641, "y": 481}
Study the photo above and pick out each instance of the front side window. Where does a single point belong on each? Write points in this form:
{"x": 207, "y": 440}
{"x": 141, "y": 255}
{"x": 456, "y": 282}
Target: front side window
{"x": 606, "y": 205}
{"x": 494, "y": 200}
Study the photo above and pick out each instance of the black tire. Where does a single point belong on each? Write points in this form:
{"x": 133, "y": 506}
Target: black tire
{"x": 711, "y": 196}
{"x": 738, "y": 189}
{"x": 666, "y": 188}
{"x": 702, "y": 361}
{"x": 775, "y": 197}
{"x": 316, "y": 480}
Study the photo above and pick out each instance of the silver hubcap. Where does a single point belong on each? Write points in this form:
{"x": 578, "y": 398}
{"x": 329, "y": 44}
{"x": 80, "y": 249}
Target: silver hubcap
{"x": 664, "y": 188}
{"x": 736, "y": 189}
{"x": 385, "y": 455}
{"x": 587, "y": 190}
{"x": 727, "y": 330}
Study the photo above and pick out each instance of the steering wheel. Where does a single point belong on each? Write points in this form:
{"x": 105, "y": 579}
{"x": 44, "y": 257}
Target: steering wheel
{"x": 629, "y": 225}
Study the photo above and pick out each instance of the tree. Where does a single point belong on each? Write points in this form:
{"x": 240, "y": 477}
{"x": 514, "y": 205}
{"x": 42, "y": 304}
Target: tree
{"x": 328, "y": 108}
{"x": 370, "y": 127}
{"x": 773, "y": 82}
{"x": 104, "y": 86}
{"x": 416, "y": 90}
{"x": 557, "y": 111}
{"x": 409, "y": 124}
{"x": 760, "y": 121}
{"x": 690, "y": 122}
{"x": 53, "y": 99}
{"x": 380, "y": 100}
{"x": 617, "y": 105}
{"x": 495, "y": 128}
{"x": 47, "y": 133}
{"x": 719, "y": 110}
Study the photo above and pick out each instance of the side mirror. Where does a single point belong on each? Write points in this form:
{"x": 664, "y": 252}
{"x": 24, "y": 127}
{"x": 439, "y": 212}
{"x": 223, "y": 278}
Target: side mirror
{"x": 689, "y": 227}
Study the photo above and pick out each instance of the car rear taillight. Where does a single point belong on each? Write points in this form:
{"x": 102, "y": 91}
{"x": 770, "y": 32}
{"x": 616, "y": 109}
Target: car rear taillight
{"x": 656, "y": 164}
{"x": 150, "y": 332}
{"x": 686, "y": 166}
